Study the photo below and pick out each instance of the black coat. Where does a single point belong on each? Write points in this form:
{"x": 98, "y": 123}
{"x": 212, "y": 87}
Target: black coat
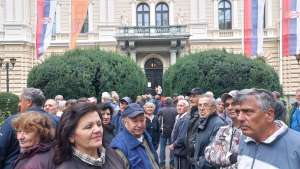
{"x": 112, "y": 161}
{"x": 153, "y": 128}
{"x": 108, "y": 134}
{"x": 167, "y": 117}
{"x": 206, "y": 131}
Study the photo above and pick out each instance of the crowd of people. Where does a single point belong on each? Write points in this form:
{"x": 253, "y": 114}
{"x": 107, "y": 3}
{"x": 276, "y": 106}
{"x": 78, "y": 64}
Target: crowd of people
{"x": 245, "y": 129}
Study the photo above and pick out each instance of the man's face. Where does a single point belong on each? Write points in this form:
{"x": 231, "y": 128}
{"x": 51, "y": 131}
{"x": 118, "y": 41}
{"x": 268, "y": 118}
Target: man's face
{"x": 194, "y": 100}
{"x": 123, "y": 105}
{"x": 254, "y": 122}
{"x": 181, "y": 108}
{"x": 24, "y": 104}
{"x": 50, "y": 106}
{"x": 220, "y": 107}
{"x": 298, "y": 96}
{"x": 229, "y": 107}
{"x": 205, "y": 107}
{"x": 136, "y": 126}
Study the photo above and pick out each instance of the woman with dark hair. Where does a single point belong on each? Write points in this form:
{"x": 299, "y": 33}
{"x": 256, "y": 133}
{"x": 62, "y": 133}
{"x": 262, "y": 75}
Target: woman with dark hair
{"x": 79, "y": 141}
{"x": 106, "y": 111}
{"x": 34, "y": 132}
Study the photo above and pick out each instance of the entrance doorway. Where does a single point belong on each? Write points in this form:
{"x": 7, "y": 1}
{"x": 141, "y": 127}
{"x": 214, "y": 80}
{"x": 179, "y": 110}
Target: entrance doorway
{"x": 154, "y": 72}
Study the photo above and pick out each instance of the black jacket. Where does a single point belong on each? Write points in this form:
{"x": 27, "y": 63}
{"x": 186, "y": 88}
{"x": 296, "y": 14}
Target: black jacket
{"x": 108, "y": 134}
{"x": 206, "y": 131}
{"x": 167, "y": 117}
{"x": 153, "y": 128}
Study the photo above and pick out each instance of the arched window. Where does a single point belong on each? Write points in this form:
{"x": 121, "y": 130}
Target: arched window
{"x": 85, "y": 26}
{"x": 225, "y": 18}
{"x": 143, "y": 15}
{"x": 162, "y": 14}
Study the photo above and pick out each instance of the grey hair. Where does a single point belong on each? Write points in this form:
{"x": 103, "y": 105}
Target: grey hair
{"x": 149, "y": 104}
{"x": 263, "y": 97}
{"x": 212, "y": 99}
{"x": 35, "y": 95}
{"x": 186, "y": 103}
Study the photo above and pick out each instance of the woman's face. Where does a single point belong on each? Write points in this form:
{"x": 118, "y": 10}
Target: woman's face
{"x": 88, "y": 134}
{"x": 27, "y": 139}
{"x": 106, "y": 117}
{"x": 149, "y": 110}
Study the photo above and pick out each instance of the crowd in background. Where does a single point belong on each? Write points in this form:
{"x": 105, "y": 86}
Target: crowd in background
{"x": 241, "y": 129}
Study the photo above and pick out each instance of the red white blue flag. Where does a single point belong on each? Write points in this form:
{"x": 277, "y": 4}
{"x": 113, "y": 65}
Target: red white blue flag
{"x": 253, "y": 27}
{"x": 290, "y": 27}
{"x": 45, "y": 18}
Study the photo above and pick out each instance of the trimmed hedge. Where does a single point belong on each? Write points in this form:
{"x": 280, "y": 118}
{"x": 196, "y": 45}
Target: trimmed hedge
{"x": 219, "y": 71}
{"x": 8, "y": 105}
{"x": 87, "y": 72}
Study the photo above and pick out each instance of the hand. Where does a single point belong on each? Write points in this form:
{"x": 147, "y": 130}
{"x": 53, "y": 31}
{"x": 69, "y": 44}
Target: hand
{"x": 171, "y": 146}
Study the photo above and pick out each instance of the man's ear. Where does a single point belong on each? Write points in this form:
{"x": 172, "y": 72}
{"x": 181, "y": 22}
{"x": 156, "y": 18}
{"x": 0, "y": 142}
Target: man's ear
{"x": 270, "y": 114}
{"x": 29, "y": 103}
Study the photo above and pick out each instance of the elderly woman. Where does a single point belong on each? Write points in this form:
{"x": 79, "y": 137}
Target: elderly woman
{"x": 152, "y": 123}
{"x": 79, "y": 141}
{"x": 106, "y": 111}
{"x": 34, "y": 132}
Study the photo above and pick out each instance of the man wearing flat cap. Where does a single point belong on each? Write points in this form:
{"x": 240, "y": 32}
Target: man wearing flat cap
{"x": 133, "y": 144}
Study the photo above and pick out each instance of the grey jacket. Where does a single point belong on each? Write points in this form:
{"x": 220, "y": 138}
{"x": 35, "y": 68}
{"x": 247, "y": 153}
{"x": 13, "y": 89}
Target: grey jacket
{"x": 280, "y": 151}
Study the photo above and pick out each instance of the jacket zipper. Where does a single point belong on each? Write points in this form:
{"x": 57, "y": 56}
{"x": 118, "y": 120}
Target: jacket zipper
{"x": 253, "y": 161}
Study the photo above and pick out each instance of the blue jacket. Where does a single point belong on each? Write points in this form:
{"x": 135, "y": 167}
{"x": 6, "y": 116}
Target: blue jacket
{"x": 9, "y": 146}
{"x": 117, "y": 122}
{"x": 133, "y": 149}
{"x": 295, "y": 117}
{"x": 280, "y": 150}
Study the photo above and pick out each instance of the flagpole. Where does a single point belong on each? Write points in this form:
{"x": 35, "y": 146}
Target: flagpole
{"x": 242, "y": 27}
{"x": 280, "y": 46}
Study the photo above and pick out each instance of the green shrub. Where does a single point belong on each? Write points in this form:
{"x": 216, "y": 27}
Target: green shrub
{"x": 8, "y": 104}
{"x": 87, "y": 72}
{"x": 220, "y": 72}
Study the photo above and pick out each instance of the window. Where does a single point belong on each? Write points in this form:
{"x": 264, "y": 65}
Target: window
{"x": 85, "y": 26}
{"x": 225, "y": 21}
{"x": 162, "y": 14}
{"x": 143, "y": 15}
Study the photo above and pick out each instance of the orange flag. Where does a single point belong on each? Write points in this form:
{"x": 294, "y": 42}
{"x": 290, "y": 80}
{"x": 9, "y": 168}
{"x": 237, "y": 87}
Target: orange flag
{"x": 79, "y": 11}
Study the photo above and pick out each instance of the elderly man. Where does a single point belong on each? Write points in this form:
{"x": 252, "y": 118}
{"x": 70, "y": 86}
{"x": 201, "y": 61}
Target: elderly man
{"x": 133, "y": 144}
{"x": 208, "y": 124}
{"x": 51, "y": 106}
{"x": 266, "y": 143}
{"x": 31, "y": 99}
{"x": 179, "y": 134}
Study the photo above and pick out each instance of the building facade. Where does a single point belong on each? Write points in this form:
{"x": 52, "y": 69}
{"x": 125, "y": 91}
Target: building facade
{"x": 153, "y": 33}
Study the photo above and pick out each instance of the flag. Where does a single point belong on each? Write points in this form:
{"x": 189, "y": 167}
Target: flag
{"x": 290, "y": 27}
{"x": 79, "y": 11}
{"x": 253, "y": 27}
{"x": 45, "y": 18}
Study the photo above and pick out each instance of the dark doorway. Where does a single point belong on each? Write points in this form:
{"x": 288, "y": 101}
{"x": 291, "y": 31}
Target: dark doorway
{"x": 154, "y": 72}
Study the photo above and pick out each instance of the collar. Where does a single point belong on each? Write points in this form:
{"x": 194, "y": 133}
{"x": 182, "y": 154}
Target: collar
{"x": 35, "y": 108}
{"x": 182, "y": 115}
{"x": 282, "y": 129}
{"x": 131, "y": 141}
{"x": 89, "y": 159}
